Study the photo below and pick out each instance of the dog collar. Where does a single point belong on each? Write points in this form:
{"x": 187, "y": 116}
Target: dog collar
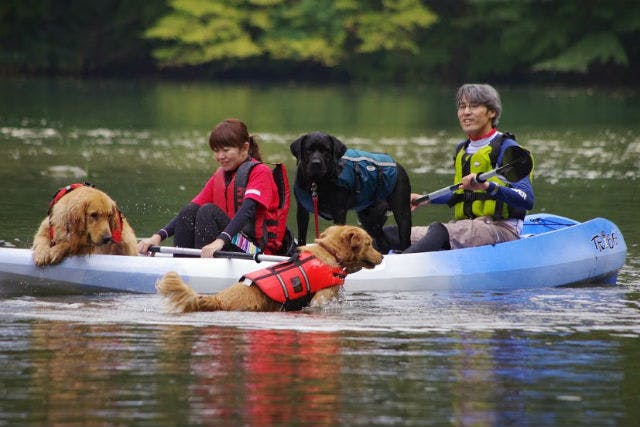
{"x": 332, "y": 253}
{"x": 63, "y": 191}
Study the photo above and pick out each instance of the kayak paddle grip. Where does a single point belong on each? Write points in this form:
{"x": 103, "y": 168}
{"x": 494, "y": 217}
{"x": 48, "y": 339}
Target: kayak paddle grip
{"x": 416, "y": 202}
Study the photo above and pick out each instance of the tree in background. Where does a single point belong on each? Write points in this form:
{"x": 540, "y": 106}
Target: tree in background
{"x": 76, "y": 37}
{"x": 322, "y": 32}
{"x": 526, "y": 40}
{"x": 408, "y": 41}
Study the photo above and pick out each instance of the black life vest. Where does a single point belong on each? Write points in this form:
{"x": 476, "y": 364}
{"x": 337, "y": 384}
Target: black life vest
{"x": 273, "y": 228}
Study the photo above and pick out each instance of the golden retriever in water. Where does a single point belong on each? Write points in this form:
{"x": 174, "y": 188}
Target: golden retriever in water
{"x": 340, "y": 250}
{"x": 82, "y": 220}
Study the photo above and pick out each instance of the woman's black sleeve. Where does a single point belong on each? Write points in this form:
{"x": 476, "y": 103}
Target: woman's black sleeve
{"x": 245, "y": 214}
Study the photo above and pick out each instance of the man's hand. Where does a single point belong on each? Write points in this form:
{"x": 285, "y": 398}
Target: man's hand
{"x": 415, "y": 196}
{"x": 469, "y": 183}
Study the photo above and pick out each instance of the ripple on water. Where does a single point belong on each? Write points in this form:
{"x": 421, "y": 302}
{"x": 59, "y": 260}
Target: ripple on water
{"x": 563, "y": 310}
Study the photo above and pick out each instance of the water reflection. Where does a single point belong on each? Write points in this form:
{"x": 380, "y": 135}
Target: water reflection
{"x": 84, "y": 374}
{"x": 483, "y": 360}
{"x": 266, "y": 377}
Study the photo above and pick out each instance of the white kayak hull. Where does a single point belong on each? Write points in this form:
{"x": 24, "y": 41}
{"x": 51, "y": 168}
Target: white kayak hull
{"x": 559, "y": 252}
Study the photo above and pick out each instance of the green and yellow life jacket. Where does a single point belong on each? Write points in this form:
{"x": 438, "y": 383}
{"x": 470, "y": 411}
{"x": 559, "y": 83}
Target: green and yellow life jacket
{"x": 473, "y": 204}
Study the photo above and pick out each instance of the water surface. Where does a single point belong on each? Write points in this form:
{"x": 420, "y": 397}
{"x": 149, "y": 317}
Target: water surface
{"x": 561, "y": 357}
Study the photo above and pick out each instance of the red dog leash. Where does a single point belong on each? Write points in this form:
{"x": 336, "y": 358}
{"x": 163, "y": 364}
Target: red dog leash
{"x": 314, "y": 197}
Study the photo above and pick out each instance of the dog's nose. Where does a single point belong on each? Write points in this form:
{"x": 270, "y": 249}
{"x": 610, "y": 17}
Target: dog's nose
{"x": 106, "y": 239}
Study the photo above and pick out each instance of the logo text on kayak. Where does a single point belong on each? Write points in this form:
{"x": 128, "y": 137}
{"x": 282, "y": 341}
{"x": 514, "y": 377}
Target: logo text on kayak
{"x": 604, "y": 241}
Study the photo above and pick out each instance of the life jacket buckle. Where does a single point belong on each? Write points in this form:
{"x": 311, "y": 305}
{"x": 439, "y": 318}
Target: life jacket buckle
{"x": 469, "y": 196}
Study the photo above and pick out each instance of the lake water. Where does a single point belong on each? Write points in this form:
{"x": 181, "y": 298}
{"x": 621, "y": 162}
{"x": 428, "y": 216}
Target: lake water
{"x": 562, "y": 357}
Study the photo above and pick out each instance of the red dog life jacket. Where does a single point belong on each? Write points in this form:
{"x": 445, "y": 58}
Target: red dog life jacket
{"x": 294, "y": 282}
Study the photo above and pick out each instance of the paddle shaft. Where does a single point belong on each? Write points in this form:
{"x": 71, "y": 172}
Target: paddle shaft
{"x": 517, "y": 172}
{"x": 218, "y": 254}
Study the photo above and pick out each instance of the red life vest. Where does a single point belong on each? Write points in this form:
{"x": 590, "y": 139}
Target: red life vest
{"x": 294, "y": 282}
{"x": 269, "y": 226}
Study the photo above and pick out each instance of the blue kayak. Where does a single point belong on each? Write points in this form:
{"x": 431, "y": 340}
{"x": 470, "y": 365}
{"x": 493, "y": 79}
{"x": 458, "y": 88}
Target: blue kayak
{"x": 553, "y": 251}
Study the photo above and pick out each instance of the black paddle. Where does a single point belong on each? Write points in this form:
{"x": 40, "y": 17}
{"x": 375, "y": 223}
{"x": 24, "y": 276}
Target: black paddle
{"x": 219, "y": 254}
{"x": 516, "y": 164}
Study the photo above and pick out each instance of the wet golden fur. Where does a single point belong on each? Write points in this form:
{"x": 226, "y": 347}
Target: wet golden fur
{"x": 352, "y": 249}
{"x": 82, "y": 221}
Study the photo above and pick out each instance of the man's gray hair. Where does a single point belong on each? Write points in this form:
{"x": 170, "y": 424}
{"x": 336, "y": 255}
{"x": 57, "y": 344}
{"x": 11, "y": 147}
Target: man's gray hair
{"x": 482, "y": 94}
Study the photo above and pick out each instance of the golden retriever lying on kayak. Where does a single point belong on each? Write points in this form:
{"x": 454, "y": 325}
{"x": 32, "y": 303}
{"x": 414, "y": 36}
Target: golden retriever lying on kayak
{"x": 82, "y": 220}
{"x": 311, "y": 277}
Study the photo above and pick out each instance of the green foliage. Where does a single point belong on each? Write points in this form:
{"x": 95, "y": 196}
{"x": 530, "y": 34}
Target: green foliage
{"x": 306, "y": 30}
{"x": 200, "y": 31}
{"x": 393, "y": 27}
{"x": 556, "y": 36}
{"x": 368, "y": 40}
{"x": 602, "y": 47}
{"x": 75, "y": 36}
{"x": 320, "y": 31}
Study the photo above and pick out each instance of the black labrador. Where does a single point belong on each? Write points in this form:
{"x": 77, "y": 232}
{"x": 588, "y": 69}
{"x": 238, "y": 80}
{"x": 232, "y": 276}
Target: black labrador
{"x": 343, "y": 179}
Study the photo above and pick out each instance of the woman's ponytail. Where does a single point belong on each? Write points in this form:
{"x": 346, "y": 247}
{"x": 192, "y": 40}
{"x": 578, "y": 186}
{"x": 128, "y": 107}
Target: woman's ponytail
{"x": 254, "y": 150}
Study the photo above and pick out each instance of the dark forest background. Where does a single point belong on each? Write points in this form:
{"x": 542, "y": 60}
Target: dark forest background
{"x": 380, "y": 41}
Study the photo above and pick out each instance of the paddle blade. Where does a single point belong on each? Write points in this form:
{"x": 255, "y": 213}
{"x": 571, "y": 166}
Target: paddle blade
{"x": 517, "y": 163}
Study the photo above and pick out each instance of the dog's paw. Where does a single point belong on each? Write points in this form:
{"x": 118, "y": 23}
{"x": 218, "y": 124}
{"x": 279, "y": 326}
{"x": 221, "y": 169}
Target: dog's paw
{"x": 326, "y": 297}
{"x": 41, "y": 258}
{"x": 39, "y": 261}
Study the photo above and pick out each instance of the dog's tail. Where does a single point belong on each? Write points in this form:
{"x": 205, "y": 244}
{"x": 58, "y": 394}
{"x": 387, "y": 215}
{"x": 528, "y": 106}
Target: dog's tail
{"x": 180, "y": 297}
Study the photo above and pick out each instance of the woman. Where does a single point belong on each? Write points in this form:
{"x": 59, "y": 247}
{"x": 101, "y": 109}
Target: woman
{"x": 238, "y": 207}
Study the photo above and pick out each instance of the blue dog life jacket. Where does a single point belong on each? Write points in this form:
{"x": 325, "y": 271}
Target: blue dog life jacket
{"x": 368, "y": 176}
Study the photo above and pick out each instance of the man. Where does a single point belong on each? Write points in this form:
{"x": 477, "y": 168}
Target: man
{"x": 484, "y": 213}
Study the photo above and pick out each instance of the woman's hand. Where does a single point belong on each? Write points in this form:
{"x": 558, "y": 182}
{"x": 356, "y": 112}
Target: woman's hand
{"x": 414, "y": 196}
{"x": 145, "y": 244}
{"x": 213, "y": 247}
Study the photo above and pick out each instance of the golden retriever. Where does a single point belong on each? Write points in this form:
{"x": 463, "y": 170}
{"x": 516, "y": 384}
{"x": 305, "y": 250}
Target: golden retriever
{"x": 82, "y": 220}
{"x": 342, "y": 247}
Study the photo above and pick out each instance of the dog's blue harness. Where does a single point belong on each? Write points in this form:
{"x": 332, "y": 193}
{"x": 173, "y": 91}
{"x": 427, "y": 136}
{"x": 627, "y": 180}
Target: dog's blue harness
{"x": 368, "y": 176}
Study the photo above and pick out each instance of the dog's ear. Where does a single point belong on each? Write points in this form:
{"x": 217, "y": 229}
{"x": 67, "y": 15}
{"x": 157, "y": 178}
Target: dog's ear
{"x": 338, "y": 147}
{"x": 114, "y": 217}
{"x": 296, "y": 147}
{"x": 326, "y": 232}
{"x": 353, "y": 237}
{"x": 71, "y": 216}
